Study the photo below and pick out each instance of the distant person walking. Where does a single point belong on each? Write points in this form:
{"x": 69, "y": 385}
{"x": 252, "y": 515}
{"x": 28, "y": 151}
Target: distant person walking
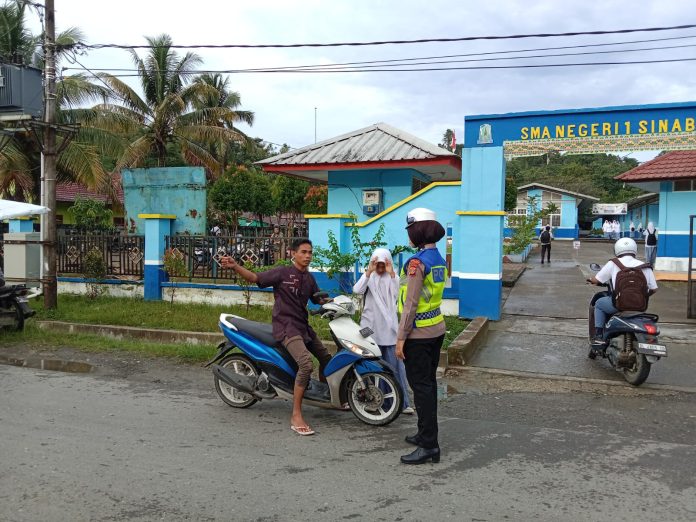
{"x": 632, "y": 229}
{"x": 606, "y": 228}
{"x": 616, "y": 229}
{"x": 545, "y": 239}
{"x": 650, "y": 244}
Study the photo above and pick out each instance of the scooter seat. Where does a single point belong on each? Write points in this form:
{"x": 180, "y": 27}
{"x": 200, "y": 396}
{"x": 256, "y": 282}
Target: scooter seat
{"x": 630, "y": 315}
{"x": 261, "y": 331}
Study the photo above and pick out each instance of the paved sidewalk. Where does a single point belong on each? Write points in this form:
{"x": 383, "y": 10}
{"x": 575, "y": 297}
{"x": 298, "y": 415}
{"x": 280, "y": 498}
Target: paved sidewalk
{"x": 544, "y": 324}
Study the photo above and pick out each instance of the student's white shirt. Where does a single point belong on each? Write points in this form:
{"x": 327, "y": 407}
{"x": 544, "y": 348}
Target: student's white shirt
{"x": 379, "y": 312}
{"x": 610, "y": 270}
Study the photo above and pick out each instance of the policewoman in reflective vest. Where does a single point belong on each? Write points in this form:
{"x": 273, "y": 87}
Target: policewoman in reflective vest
{"x": 422, "y": 328}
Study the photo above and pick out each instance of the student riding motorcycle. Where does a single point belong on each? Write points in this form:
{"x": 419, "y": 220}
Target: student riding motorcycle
{"x": 625, "y": 296}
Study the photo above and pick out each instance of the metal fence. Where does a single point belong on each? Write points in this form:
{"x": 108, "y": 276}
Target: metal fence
{"x": 123, "y": 254}
{"x": 2, "y": 254}
{"x": 202, "y": 254}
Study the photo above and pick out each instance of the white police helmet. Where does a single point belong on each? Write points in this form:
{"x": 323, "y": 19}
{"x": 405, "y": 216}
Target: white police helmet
{"x": 419, "y": 214}
{"x": 625, "y": 245}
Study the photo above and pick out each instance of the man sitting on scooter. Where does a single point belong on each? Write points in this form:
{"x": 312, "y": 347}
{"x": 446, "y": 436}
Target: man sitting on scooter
{"x": 625, "y": 250}
{"x": 292, "y": 286}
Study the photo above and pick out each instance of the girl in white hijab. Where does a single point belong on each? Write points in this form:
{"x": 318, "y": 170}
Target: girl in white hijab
{"x": 650, "y": 234}
{"x": 380, "y": 286}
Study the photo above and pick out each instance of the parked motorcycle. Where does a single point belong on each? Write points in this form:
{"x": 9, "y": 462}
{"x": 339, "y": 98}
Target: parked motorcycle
{"x": 631, "y": 339}
{"x": 251, "y": 366}
{"x": 14, "y": 309}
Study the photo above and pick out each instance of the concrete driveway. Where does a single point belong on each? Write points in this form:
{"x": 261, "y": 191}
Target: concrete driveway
{"x": 544, "y": 323}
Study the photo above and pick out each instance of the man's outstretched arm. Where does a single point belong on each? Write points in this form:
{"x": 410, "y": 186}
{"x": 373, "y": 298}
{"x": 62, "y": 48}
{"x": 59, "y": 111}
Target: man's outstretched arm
{"x": 228, "y": 262}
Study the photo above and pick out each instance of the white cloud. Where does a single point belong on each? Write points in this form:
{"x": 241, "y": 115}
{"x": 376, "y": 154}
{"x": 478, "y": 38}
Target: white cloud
{"x": 425, "y": 103}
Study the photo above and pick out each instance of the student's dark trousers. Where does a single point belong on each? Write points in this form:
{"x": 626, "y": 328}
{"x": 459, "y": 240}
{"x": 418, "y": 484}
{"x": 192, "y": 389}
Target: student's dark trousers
{"x": 422, "y": 358}
{"x": 546, "y": 249}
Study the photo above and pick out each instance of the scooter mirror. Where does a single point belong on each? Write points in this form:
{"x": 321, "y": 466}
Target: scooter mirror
{"x": 321, "y": 295}
{"x": 595, "y": 267}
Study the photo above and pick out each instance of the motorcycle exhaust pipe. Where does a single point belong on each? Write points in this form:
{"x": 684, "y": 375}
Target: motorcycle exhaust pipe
{"x": 243, "y": 383}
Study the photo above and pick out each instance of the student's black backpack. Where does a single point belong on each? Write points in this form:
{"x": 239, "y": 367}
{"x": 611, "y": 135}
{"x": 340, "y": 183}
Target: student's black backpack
{"x": 630, "y": 288}
{"x": 651, "y": 240}
{"x": 545, "y": 237}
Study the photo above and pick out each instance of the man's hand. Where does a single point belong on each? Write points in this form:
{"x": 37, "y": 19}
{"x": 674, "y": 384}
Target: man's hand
{"x": 228, "y": 262}
{"x": 400, "y": 349}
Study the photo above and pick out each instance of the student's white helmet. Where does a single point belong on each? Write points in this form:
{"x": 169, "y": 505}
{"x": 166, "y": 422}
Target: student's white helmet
{"x": 625, "y": 245}
{"x": 419, "y": 214}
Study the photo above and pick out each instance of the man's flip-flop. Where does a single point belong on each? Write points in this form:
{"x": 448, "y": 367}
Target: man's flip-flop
{"x": 302, "y": 430}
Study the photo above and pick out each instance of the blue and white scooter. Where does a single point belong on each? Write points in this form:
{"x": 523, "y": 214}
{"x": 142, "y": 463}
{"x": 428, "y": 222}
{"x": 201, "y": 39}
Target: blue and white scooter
{"x": 251, "y": 366}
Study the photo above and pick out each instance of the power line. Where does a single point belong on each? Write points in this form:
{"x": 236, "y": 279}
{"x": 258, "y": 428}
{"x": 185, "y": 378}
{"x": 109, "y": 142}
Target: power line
{"x": 426, "y": 69}
{"x": 391, "y": 63}
{"x": 389, "y": 42}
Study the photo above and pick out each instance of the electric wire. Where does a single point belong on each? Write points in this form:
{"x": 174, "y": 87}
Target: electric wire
{"x": 424, "y": 69}
{"x": 379, "y": 63}
{"x": 392, "y": 42}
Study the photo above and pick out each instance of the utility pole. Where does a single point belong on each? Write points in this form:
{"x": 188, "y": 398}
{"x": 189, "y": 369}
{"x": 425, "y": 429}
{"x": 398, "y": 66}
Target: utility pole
{"x": 49, "y": 158}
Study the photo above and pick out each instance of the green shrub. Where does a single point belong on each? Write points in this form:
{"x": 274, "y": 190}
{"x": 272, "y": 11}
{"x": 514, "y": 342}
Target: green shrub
{"x": 94, "y": 268}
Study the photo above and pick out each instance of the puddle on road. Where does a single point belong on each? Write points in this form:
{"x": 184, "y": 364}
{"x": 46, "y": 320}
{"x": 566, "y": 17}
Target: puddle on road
{"x": 56, "y": 365}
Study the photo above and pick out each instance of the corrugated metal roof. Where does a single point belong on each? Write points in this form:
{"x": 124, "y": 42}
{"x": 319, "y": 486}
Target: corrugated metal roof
{"x": 378, "y": 142}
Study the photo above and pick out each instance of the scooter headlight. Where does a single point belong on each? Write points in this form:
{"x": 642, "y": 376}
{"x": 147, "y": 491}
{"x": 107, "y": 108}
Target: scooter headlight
{"x": 355, "y": 348}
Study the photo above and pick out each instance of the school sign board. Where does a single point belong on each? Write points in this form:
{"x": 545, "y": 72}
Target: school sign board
{"x": 610, "y": 209}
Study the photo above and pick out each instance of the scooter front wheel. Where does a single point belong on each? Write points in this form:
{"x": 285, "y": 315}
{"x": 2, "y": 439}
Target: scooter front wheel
{"x": 240, "y": 364}
{"x": 379, "y": 402}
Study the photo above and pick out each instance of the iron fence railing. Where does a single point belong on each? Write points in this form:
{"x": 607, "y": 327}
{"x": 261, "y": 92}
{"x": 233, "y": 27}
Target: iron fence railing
{"x": 123, "y": 254}
{"x": 202, "y": 254}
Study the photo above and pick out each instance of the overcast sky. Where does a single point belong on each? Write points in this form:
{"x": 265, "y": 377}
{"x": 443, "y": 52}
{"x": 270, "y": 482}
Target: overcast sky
{"x": 423, "y": 103}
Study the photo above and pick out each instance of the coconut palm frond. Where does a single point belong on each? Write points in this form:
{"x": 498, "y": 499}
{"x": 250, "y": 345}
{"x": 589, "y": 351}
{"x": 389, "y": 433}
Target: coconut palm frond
{"x": 194, "y": 154}
{"x": 125, "y": 94}
{"x": 209, "y": 134}
{"x": 76, "y": 90}
{"x": 136, "y": 153}
{"x": 16, "y": 180}
{"x": 81, "y": 162}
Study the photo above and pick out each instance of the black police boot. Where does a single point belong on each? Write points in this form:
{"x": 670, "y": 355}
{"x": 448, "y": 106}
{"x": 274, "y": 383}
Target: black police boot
{"x": 421, "y": 456}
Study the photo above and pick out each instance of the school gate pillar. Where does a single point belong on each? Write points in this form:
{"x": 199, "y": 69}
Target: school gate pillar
{"x": 478, "y": 251}
{"x": 157, "y": 228}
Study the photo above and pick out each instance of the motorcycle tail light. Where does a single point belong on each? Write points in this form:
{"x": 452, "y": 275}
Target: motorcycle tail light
{"x": 651, "y": 329}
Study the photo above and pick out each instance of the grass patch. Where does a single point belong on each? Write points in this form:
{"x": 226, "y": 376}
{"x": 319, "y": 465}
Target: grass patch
{"x": 34, "y": 337}
{"x": 196, "y": 317}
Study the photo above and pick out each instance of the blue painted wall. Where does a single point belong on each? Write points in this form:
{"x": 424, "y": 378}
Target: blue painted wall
{"x": 171, "y": 190}
{"x": 346, "y": 186}
{"x": 674, "y": 210}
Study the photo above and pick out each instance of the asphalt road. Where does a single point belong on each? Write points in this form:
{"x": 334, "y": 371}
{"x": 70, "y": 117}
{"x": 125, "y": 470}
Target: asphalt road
{"x": 150, "y": 440}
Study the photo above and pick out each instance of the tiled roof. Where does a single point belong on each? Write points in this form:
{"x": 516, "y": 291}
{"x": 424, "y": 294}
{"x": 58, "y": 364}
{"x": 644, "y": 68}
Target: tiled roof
{"x": 69, "y": 191}
{"x": 377, "y": 143}
{"x": 678, "y": 164}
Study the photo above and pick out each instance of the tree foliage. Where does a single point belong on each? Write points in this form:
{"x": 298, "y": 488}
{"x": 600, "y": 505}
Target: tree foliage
{"x": 591, "y": 174}
{"x": 91, "y": 215}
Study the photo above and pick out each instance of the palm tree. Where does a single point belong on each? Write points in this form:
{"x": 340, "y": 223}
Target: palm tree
{"x": 222, "y": 96}
{"x": 173, "y": 115}
{"x": 20, "y": 155}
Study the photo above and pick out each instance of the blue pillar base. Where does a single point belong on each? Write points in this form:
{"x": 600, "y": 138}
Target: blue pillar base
{"x": 154, "y": 277}
{"x": 480, "y": 298}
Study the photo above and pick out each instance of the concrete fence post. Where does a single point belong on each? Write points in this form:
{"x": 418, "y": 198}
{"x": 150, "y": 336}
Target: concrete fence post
{"x": 157, "y": 228}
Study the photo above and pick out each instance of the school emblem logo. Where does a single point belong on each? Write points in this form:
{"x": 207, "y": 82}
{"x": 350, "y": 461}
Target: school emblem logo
{"x": 485, "y": 134}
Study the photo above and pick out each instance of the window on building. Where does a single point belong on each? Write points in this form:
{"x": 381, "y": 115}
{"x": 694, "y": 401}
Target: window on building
{"x": 418, "y": 184}
{"x": 684, "y": 185}
{"x": 552, "y": 219}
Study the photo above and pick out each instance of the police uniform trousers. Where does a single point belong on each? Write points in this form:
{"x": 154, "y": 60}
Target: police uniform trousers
{"x": 422, "y": 357}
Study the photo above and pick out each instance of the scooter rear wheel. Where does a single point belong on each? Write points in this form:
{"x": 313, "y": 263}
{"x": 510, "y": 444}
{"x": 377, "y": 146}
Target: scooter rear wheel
{"x": 637, "y": 374}
{"x": 382, "y": 401}
{"x": 242, "y": 365}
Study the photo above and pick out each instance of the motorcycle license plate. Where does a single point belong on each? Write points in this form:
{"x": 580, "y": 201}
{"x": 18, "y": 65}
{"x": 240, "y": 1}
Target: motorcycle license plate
{"x": 652, "y": 349}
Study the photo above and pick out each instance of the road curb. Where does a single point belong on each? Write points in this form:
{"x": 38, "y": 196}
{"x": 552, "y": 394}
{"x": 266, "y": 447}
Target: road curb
{"x": 571, "y": 378}
{"x": 467, "y": 343}
{"x": 146, "y": 334}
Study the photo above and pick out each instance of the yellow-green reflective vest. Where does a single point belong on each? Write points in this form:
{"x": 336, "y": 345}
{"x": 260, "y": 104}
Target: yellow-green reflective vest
{"x": 428, "y": 312}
